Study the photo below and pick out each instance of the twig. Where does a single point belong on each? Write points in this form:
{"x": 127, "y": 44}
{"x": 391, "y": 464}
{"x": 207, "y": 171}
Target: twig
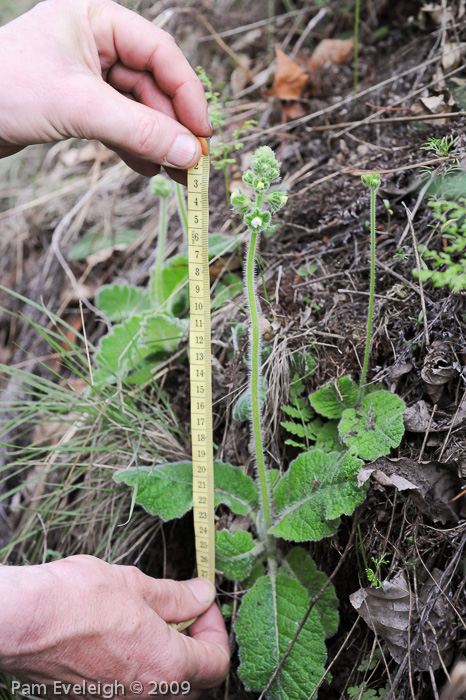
{"x": 416, "y": 207}
{"x": 452, "y": 425}
{"x": 309, "y": 610}
{"x": 418, "y": 266}
{"x": 426, "y": 612}
{"x": 310, "y": 26}
{"x": 333, "y": 108}
{"x": 389, "y": 120}
{"x": 426, "y": 435}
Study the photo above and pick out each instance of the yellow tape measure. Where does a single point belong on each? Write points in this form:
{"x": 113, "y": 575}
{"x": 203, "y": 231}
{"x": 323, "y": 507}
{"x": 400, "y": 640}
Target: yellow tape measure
{"x": 200, "y": 367}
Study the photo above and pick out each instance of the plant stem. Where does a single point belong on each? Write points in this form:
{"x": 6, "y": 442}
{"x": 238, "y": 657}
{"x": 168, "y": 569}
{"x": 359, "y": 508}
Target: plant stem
{"x": 255, "y": 361}
{"x": 182, "y": 212}
{"x": 156, "y": 280}
{"x": 356, "y": 47}
{"x": 371, "y": 296}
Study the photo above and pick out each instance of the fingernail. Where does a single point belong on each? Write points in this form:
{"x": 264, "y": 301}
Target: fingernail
{"x": 183, "y": 151}
{"x": 203, "y": 590}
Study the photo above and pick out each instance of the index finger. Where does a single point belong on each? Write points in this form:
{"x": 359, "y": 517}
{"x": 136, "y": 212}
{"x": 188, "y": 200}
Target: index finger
{"x": 122, "y": 35}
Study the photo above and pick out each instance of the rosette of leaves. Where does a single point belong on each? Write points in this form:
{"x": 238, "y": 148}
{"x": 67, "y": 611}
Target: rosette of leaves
{"x": 306, "y": 503}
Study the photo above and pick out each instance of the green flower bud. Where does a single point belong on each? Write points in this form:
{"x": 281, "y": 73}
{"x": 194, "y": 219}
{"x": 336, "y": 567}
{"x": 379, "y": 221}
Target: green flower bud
{"x": 240, "y": 202}
{"x": 371, "y": 180}
{"x": 276, "y": 200}
{"x": 159, "y": 185}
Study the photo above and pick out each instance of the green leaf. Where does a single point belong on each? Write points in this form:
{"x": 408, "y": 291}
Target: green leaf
{"x": 119, "y": 350}
{"x": 220, "y": 244}
{"x": 267, "y": 622}
{"x": 166, "y": 490}
{"x": 315, "y": 491}
{"x": 301, "y": 412}
{"x": 228, "y": 288}
{"x": 293, "y": 443}
{"x": 95, "y": 241}
{"x": 234, "y": 488}
{"x": 333, "y": 398}
{"x": 242, "y": 409}
{"x": 162, "y": 333}
{"x": 174, "y": 285}
{"x": 309, "y": 430}
{"x": 236, "y": 553}
{"x": 376, "y": 426}
{"x": 328, "y": 438}
{"x": 256, "y": 573}
{"x": 120, "y": 301}
{"x": 126, "y": 347}
{"x": 299, "y": 565}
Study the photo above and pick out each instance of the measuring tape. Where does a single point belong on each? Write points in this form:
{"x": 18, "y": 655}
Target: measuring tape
{"x": 200, "y": 366}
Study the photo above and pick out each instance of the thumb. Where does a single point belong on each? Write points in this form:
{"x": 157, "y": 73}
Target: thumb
{"x": 109, "y": 116}
{"x": 176, "y": 601}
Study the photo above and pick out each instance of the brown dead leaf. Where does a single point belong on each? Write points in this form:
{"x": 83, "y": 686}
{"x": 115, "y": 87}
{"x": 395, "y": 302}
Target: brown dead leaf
{"x": 388, "y": 611}
{"x": 451, "y": 55}
{"x": 337, "y": 51}
{"x": 439, "y": 103}
{"x": 293, "y": 110}
{"x": 290, "y": 79}
{"x": 432, "y": 485}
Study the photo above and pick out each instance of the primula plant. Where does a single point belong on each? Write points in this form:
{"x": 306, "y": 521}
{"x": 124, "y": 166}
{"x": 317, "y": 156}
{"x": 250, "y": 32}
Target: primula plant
{"x": 303, "y": 503}
{"x": 148, "y": 324}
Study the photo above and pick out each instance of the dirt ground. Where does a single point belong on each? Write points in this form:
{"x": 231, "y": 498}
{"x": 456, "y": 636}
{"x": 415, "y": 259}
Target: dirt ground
{"x": 314, "y": 294}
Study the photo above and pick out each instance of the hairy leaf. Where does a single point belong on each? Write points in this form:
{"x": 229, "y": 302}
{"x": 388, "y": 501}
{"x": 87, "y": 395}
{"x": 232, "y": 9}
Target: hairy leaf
{"x": 242, "y": 409}
{"x": 98, "y": 241}
{"x": 267, "y": 622}
{"x": 167, "y": 489}
{"x": 328, "y": 439}
{"x": 316, "y": 490}
{"x": 125, "y": 348}
{"x": 120, "y": 301}
{"x": 299, "y": 565}
{"x": 236, "y": 553}
{"x": 119, "y": 350}
{"x": 376, "y": 426}
{"x": 162, "y": 333}
{"x": 220, "y": 244}
{"x": 174, "y": 285}
{"x": 228, "y": 287}
{"x": 333, "y": 398}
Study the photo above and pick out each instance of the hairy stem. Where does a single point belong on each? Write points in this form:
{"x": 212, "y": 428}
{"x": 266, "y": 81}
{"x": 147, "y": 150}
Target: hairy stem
{"x": 371, "y": 295}
{"x": 182, "y": 211}
{"x": 156, "y": 280}
{"x": 255, "y": 380}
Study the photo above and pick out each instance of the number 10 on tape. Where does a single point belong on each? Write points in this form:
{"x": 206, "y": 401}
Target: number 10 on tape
{"x": 200, "y": 368}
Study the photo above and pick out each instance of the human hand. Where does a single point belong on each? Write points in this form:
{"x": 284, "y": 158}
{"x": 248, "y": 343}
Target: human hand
{"x": 80, "y": 618}
{"x": 92, "y": 69}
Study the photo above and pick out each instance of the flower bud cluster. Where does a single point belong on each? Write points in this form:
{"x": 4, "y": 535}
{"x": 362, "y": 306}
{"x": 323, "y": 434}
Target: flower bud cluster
{"x": 264, "y": 171}
{"x": 371, "y": 180}
{"x": 159, "y": 185}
